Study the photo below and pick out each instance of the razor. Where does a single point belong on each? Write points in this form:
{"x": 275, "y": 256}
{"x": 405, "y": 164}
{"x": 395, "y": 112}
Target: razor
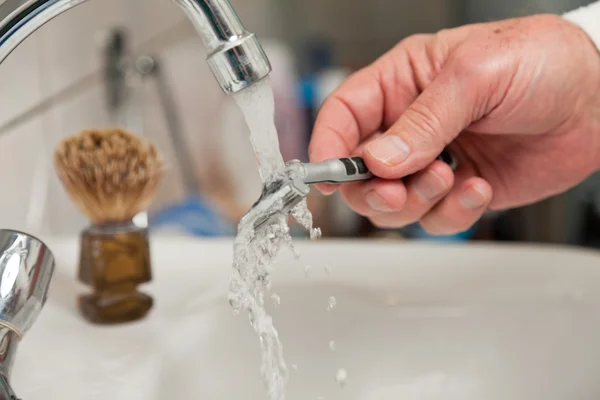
{"x": 283, "y": 195}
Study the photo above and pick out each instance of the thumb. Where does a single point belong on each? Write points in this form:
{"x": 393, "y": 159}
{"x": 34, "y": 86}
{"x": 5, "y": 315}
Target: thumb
{"x": 436, "y": 117}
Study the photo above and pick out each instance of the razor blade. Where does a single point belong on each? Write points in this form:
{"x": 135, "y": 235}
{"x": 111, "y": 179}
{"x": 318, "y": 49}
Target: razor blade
{"x": 277, "y": 199}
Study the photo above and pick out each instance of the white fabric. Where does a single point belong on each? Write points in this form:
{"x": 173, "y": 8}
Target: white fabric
{"x": 588, "y": 18}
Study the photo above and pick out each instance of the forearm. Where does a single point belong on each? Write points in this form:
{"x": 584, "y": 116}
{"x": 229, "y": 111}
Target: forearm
{"x": 588, "y": 19}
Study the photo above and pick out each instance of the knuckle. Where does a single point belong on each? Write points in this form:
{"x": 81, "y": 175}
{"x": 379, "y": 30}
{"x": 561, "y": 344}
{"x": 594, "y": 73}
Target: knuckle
{"x": 551, "y": 20}
{"x": 414, "y": 40}
{"x": 468, "y": 66}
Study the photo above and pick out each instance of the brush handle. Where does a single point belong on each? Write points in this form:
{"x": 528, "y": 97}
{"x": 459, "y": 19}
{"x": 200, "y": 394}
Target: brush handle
{"x": 354, "y": 169}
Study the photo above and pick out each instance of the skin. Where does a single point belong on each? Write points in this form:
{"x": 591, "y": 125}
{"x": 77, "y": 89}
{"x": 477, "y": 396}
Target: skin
{"x": 516, "y": 101}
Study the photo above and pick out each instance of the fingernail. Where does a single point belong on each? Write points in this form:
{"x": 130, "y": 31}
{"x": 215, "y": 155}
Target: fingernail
{"x": 473, "y": 197}
{"x": 376, "y": 202}
{"x": 430, "y": 186}
{"x": 326, "y": 190}
{"x": 389, "y": 150}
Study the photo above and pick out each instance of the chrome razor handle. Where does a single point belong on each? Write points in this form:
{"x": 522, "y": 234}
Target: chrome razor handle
{"x": 354, "y": 169}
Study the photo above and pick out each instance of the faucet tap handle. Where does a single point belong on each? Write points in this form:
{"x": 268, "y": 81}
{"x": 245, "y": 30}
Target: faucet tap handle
{"x": 26, "y": 268}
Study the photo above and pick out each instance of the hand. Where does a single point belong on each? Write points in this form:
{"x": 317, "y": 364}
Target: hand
{"x": 516, "y": 101}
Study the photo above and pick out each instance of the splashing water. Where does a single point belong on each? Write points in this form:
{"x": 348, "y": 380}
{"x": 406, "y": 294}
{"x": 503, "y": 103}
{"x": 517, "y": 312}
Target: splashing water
{"x": 341, "y": 377}
{"x": 276, "y": 299}
{"x": 331, "y": 303}
{"x": 255, "y": 252}
{"x": 307, "y": 271}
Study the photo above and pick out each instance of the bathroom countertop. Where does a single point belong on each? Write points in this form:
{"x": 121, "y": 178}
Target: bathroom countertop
{"x": 191, "y": 346}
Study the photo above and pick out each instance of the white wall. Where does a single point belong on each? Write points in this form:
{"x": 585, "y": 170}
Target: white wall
{"x": 64, "y": 52}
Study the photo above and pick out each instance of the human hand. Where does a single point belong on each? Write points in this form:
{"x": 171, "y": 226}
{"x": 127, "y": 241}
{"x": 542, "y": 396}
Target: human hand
{"x": 516, "y": 101}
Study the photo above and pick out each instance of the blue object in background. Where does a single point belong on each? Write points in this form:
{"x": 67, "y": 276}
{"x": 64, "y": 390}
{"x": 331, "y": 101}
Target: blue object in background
{"x": 415, "y": 231}
{"x": 195, "y": 217}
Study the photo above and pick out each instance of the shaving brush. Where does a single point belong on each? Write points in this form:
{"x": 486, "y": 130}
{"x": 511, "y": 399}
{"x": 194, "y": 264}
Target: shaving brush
{"x": 112, "y": 176}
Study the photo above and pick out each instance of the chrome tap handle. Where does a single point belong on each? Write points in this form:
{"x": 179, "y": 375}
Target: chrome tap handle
{"x": 26, "y": 268}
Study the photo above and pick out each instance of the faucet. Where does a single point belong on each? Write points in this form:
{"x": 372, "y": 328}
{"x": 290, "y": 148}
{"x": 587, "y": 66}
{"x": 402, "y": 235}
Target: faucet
{"x": 235, "y": 55}
{"x": 236, "y": 60}
{"x": 26, "y": 267}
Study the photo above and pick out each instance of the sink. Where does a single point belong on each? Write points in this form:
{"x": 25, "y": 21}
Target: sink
{"x": 412, "y": 320}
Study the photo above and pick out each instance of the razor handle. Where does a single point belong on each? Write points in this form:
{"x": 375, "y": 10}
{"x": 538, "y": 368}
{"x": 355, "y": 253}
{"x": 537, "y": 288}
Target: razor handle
{"x": 353, "y": 169}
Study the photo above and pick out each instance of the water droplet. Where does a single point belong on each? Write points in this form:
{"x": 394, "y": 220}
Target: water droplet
{"x": 327, "y": 269}
{"x": 332, "y": 303}
{"x": 332, "y": 345}
{"x": 294, "y": 367}
{"x": 320, "y": 398}
{"x": 276, "y": 299}
{"x": 295, "y": 251}
{"x": 315, "y": 234}
{"x": 307, "y": 269}
{"x": 341, "y": 377}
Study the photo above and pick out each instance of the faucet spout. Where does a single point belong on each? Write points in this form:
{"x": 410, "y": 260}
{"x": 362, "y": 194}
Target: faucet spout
{"x": 235, "y": 56}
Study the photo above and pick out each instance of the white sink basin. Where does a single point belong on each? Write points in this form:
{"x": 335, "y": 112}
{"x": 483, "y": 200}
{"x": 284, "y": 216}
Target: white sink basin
{"x": 412, "y": 321}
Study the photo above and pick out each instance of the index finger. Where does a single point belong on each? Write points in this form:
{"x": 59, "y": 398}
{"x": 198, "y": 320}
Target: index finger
{"x": 352, "y": 112}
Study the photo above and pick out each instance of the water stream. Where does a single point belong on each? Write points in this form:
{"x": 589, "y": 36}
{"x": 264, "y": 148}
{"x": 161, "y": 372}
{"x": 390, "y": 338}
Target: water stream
{"x": 255, "y": 252}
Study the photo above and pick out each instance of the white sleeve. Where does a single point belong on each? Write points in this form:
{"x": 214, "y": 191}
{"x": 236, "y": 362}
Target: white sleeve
{"x": 588, "y": 18}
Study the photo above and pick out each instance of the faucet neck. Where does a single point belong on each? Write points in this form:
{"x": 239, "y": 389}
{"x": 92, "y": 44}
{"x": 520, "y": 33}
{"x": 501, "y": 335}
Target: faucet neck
{"x": 235, "y": 56}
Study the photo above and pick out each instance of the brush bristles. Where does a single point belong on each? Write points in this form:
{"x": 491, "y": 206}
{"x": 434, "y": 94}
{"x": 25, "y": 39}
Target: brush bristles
{"x": 110, "y": 174}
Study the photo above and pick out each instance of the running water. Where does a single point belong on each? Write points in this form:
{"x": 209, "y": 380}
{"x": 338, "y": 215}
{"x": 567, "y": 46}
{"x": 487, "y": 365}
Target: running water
{"x": 255, "y": 252}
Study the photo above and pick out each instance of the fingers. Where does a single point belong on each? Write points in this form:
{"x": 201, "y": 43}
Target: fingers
{"x": 374, "y": 197}
{"x": 392, "y": 203}
{"x": 445, "y": 108}
{"x": 352, "y": 111}
{"x": 328, "y": 189}
{"x": 458, "y": 211}
{"x": 442, "y": 203}
{"x": 372, "y": 98}
{"x": 424, "y": 190}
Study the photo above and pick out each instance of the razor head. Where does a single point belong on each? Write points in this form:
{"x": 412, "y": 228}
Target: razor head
{"x": 277, "y": 199}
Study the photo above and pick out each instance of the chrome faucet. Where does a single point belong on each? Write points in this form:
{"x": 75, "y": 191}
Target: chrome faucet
{"x": 235, "y": 56}
{"x": 237, "y": 61}
{"x": 26, "y": 267}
